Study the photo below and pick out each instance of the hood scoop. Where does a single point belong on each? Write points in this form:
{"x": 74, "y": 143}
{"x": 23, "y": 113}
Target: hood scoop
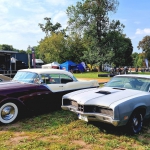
{"x": 119, "y": 88}
{"x": 104, "y": 92}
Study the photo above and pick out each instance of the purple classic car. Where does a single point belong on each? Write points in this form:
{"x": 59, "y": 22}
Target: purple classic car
{"x": 36, "y": 90}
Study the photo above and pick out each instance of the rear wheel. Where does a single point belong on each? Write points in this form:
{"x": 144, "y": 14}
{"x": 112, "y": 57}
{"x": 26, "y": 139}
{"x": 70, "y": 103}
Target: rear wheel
{"x": 8, "y": 112}
{"x": 136, "y": 122}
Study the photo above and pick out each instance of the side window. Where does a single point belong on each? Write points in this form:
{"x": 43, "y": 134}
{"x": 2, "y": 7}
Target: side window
{"x": 54, "y": 79}
{"x": 65, "y": 79}
{"x": 45, "y": 78}
{"x": 50, "y": 78}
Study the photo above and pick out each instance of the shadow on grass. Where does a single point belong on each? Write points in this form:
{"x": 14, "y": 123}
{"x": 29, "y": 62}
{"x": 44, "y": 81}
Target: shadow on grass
{"x": 121, "y": 130}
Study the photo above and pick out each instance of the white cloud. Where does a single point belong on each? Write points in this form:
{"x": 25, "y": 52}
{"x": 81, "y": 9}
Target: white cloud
{"x": 20, "y": 18}
{"x": 61, "y": 18}
{"x": 144, "y": 31}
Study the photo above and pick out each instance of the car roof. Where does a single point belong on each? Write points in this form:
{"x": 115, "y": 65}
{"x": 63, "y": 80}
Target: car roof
{"x": 135, "y": 75}
{"x": 42, "y": 71}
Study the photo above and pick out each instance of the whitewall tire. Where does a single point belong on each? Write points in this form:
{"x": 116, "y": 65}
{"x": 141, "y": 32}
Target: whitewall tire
{"x": 8, "y": 112}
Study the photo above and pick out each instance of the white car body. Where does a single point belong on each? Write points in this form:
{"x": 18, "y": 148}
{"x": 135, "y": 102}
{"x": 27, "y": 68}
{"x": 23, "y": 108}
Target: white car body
{"x": 116, "y": 103}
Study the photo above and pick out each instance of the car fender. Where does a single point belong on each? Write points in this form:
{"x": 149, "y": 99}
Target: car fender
{"x": 15, "y": 100}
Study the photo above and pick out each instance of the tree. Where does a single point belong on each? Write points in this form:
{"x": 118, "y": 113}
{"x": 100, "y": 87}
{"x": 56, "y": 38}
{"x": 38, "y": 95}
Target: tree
{"x": 49, "y": 28}
{"x": 22, "y": 51}
{"x": 145, "y": 46}
{"x": 74, "y": 48}
{"x": 90, "y": 19}
{"x": 6, "y": 47}
{"x": 51, "y": 48}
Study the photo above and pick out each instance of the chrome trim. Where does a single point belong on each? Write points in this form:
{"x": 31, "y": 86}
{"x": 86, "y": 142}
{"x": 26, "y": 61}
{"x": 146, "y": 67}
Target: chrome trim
{"x": 93, "y": 116}
{"x": 8, "y": 112}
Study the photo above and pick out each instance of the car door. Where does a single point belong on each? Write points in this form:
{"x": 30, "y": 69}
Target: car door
{"x": 51, "y": 98}
{"x": 66, "y": 81}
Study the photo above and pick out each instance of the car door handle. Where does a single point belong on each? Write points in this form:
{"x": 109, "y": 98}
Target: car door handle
{"x": 60, "y": 86}
{"x": 39, "y": 94}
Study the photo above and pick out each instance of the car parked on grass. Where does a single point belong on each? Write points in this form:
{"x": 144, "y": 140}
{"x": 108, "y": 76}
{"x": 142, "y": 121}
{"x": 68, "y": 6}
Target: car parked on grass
{"x": 4, "y": 78}
{"x": 36, "y": 90}
{"x": 124, "y": 100}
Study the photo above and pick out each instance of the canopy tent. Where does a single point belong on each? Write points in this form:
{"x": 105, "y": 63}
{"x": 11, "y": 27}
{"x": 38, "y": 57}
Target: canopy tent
{"x": 54, "y": 65}
{"x": 81, "y": 67}
{"x": 68, "y": 65}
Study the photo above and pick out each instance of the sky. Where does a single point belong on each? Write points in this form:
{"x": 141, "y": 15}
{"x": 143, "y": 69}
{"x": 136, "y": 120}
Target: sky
{"x": 19, "y": 20}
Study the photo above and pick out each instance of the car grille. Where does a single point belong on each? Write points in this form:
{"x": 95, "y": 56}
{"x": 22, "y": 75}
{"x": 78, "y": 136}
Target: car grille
{"x": 89, "y": 109}
{"x": 95, "y": 109}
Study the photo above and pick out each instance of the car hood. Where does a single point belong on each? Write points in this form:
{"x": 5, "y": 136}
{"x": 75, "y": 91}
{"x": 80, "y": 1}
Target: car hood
{"x": 101, "y": 96}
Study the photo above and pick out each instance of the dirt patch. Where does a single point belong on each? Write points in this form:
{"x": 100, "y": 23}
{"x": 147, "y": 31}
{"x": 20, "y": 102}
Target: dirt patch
{"x": 17, "y": 138}
{"x": 83, "y": 144}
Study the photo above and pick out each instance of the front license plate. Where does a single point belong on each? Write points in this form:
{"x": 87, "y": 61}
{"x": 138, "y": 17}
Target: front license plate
{"x": 83, "y": 117}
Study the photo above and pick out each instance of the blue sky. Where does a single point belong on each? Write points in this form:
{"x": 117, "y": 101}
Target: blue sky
{"x": 19, "y": 19}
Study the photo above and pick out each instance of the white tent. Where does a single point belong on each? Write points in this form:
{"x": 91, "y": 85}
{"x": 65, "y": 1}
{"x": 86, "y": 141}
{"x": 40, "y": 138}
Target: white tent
{"x": 51, "y": 65}
{"x": 13, "y": 60}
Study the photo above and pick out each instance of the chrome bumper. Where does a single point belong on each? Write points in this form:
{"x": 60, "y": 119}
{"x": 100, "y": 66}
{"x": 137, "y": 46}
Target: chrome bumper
{"x": 92, "y": 116}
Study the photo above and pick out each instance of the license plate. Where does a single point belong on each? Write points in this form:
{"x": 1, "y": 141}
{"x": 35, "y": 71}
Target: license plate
{"x": 84, "y": 118}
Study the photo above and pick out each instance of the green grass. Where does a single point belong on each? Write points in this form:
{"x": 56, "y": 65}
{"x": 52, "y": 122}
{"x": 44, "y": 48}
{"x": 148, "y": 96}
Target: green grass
{"x": 95, "y": 74}
{"x": 89, "y": 74}
{"x": 61, "y": 130}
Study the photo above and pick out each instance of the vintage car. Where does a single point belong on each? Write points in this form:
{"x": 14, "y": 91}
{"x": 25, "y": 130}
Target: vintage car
{"x": 124, "y": 100}
{"x": 36, "y": 90}
{"x": 4, "y": 78}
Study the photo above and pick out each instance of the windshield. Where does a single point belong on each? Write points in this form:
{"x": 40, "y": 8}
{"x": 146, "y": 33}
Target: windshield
{"x": 134, "y": 83}
{"x": 27, "y": 77}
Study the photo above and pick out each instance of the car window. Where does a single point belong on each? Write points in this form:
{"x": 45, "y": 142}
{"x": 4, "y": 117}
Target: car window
{"x": 65, "y": 78}
{"x": 135, "y": 83}
{"x": 51, "y": 78}
{"x": 27, "y": 77}
{"x": 54, "y": 79}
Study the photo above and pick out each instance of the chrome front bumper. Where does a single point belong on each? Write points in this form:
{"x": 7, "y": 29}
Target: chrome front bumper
{"x": 92, "y": 116}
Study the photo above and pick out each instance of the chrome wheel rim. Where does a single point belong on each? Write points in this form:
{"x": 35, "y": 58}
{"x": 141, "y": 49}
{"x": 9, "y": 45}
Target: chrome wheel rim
{"x": 7, "y": 112}
{"x": 137, "y": 123}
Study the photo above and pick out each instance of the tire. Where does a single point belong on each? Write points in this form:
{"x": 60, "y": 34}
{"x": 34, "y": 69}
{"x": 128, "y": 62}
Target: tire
{"x": 136, "y": 122}
{"x": 8, "y": 113}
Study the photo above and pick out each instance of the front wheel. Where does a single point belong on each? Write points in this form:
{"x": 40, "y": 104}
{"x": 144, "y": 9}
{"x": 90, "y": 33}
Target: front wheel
{"x": 136, "y": 122}
{"x": 8, "y": 112}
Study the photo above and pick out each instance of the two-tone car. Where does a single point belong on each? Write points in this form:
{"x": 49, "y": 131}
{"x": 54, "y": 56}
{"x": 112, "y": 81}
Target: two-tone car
{"x": 37, "y": 90}
{"x": 124, "y": 100}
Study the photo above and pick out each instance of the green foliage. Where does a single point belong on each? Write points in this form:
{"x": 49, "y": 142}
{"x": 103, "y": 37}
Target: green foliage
{"x": 49, "y": 28}
{"x": 6, "y": 47}
{"x": 61, "y": 130}
{"x": 135, "y": 57}
{"x": 52, "y": 48}
{"x": 145, "y": 46}
{"x": 75, "y": 48}
{"x": 22, "y": 51}
{"x": 102, "y": 39}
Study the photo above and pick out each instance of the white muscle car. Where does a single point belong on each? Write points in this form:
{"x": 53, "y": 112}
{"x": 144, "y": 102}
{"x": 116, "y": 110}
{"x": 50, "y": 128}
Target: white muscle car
{"x": 124, "y": 100}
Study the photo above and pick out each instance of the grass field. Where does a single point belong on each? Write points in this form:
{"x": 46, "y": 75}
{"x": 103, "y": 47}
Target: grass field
{"x": 89, "y": 74}
{"x": 61, "y": 130}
